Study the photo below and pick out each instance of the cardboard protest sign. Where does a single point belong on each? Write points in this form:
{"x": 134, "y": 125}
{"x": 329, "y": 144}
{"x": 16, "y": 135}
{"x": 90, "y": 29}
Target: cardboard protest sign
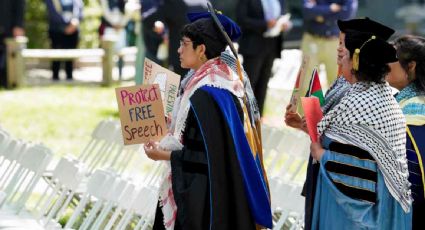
{"x": 313, "y": 114}
{"x": 167, "y": 80}
{"x": 296, "y": 91}
{"x": 141, "y": 113}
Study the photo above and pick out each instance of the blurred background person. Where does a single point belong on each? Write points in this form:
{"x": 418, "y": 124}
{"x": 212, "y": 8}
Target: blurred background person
{"x": 114, "y": 22}
{"x": 153, "y": 35}
{"x": 320, "y": 38}
{"x": 408, "y": 76}
{"x": 11, "y": 25}
{"x": 173, "y": 15}
{"x": 258, "y": 48}
{"x": 64, "y": 20}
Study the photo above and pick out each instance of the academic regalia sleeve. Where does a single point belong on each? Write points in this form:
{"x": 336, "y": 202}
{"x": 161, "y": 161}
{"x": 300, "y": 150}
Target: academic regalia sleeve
{"x": 352, "y": 170}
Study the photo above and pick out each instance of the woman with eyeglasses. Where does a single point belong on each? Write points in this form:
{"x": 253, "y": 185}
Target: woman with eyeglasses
{"x": 216, "y": 178}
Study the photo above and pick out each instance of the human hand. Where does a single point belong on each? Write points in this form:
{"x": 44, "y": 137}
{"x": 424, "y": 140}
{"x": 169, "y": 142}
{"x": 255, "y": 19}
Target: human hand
{"x": 316, "y": 150}
{"x": 70, "y": 29}
{"x": 335, "y": 8}
{"x": 271, "y": 23}
{"x": 304, "y": 125}
{"x": 159, "y": 27}
{"x": 154, "y": 152}
{"x": 18, "y": 31}
{"x": 286, "y": 26}
{"x": 292, "y": 119}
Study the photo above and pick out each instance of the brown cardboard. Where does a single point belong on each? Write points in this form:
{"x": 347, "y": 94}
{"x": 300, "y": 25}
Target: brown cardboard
{"x": 141, "y": 113}
{"x": 168, "y": 81}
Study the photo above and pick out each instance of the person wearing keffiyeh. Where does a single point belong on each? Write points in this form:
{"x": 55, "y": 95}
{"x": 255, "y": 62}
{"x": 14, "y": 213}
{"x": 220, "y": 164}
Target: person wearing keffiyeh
{"x": 332, "y": 97}
{"x": 363, "y": 175}
{"x": 408, "y": 76}
{"x": 216, "y": 178}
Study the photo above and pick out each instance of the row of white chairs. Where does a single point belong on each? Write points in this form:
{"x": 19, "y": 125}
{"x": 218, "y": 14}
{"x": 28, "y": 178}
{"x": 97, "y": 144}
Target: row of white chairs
{"x": 21, "y": 167}
{"x": 286, "y": 152}
{"x": 284, "y": 156}
{"x": 22, "y": 164}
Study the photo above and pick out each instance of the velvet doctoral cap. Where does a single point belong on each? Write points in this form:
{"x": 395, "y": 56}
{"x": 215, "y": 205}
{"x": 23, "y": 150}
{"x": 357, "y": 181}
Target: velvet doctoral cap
{"x": 368, "y": 48}
{"x": 366, "y": 25}
{"x": 206, "y": 25}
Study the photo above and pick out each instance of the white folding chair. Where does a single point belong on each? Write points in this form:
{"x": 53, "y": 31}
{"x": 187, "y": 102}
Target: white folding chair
{"x": 125, "y": 202}
{"x": 291, "y": 204}
{"x": 32, "y": 165}
{"x": 100, "y": 195}
{"x": 144, "y": 206}
{"x": 118, "y": 190}
{"x": 4, "y": 142}
{"x": 11, "y": 158}
{"x": 96, "y": 185}
{"x": 66, "y": 178}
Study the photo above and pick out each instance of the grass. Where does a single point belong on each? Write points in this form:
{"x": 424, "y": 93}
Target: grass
{"x": 61, "y": 117}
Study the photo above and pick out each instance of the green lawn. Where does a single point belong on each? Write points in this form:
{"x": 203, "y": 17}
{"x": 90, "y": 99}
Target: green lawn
{"x": 61, "y": 117}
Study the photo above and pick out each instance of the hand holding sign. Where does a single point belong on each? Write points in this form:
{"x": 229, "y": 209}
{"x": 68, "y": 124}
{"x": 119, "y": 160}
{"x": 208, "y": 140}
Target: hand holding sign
{"x": 141, "y": 113}
{"x": 298, "y": 85}
{"x": 313, "y": 114}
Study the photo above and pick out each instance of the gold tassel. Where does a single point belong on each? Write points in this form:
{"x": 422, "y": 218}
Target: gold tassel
{"x": 356, "y": 59}
{"x": 356, "y": 55}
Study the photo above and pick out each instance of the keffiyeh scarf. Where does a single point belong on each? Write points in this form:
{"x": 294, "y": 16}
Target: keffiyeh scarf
{"x": 369, "y": 117}
{"x": 334, "y": 94}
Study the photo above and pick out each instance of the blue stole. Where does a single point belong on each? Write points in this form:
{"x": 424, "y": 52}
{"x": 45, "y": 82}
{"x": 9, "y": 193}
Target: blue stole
{"x": 251, "y": 170}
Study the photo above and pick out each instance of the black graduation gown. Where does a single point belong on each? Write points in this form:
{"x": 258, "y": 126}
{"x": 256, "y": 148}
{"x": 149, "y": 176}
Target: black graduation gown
{"x": 207, "y": 182}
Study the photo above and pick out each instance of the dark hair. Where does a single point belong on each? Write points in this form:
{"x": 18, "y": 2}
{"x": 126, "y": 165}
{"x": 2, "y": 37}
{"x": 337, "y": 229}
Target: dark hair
{"x": 412, "y": 48}
{"x": 195, "y": 31}
{"x": 371, "y": 69}
{"x": 371, "y": 72}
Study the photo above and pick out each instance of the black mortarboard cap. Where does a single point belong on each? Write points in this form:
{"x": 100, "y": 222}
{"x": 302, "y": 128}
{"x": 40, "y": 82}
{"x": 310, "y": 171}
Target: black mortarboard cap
{"x": 366, "y": 47}
{"x": 366, "y": 25}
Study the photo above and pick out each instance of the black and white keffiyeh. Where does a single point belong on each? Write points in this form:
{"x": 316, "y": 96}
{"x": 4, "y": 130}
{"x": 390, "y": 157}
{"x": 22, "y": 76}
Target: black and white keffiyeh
{"x": 369, "y": 117}
{"x": 334, "y": 94}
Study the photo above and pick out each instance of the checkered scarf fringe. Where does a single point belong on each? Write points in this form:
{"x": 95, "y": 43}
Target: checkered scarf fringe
{"x": 369, "y": 117}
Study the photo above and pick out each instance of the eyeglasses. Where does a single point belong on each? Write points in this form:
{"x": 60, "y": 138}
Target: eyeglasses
{"x": 184, "y": 43}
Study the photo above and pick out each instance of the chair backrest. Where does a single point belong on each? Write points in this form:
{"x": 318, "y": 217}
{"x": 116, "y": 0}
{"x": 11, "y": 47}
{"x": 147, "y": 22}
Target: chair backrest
{"x": 69, "y": 173}
{"x": 15, "y": 149}
{"x": 98, "y": 182}
{"x": 4, "y": 141}
{"x": 36, "y": 158}
{"x": 146, "y": 200}
{"x": 117, "y": 190}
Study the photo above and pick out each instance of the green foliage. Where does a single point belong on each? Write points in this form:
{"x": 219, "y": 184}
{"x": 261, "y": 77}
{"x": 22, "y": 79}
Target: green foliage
{"x": 36, "y": 24}
{"x": 60, "y": 116}
{"x": 89, "y": 35}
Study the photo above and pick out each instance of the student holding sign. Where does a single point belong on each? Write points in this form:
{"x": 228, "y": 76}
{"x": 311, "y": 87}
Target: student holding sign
{"x": 216, "y": 180}
{"x": 363, "y": 177}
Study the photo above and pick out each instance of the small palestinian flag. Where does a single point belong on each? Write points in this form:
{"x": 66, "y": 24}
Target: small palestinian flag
{"x": 314, "y": 88}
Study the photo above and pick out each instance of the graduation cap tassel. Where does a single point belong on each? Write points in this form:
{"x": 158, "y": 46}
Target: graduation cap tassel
{"x": 356, "y": 55}
{"x": 356, "y": 59}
